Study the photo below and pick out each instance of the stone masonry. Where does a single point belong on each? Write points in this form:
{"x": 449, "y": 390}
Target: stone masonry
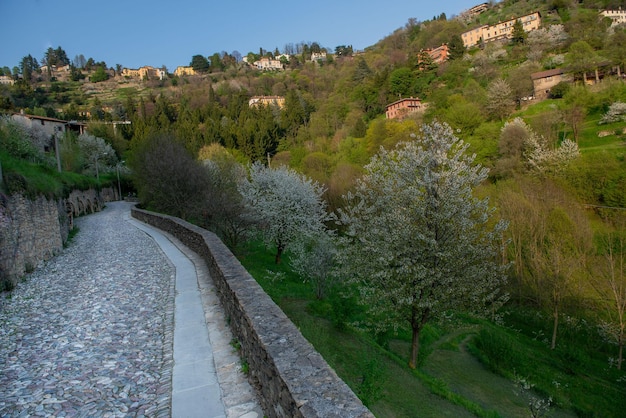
{"x": 293, "y": 379}
{"x": 32, "y": 231}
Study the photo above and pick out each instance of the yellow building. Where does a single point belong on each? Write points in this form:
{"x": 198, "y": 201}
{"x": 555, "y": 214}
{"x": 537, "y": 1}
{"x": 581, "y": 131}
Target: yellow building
{"x": 502, "y": 30}
{"x": 182, "y": 71}
{"x": 145, "y": 72}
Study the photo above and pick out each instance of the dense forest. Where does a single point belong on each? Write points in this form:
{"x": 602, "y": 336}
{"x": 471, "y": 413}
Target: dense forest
{"x": 556, "y": 179}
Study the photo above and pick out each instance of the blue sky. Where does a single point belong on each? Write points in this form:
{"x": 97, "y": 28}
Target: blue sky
{"x": 141, "y": 32}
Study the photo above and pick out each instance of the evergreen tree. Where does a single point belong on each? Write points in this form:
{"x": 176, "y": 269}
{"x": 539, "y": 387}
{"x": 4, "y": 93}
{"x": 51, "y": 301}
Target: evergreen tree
{"x": 519, "y": 34}
{"x": 199, "y": 63}
{"x": 456, "y": 47}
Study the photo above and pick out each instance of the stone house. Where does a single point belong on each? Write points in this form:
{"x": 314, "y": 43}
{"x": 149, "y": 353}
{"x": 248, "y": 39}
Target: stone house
{"x": 543, "y": 81}
{"x": 49, "y": 127}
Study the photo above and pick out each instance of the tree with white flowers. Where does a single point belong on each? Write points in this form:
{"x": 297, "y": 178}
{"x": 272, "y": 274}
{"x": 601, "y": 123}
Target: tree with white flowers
{"x": 97, "y": 153}
{"x": 284, "y": 204}
{"x": 419, "y": 243}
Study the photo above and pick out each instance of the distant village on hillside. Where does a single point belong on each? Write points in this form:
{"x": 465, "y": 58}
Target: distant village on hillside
{"x": 476, "y": 37}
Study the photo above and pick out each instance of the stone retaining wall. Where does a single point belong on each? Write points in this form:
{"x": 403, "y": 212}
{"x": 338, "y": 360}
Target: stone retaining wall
{"x": 293, "y": 379}
{"x": 32, "y": 231}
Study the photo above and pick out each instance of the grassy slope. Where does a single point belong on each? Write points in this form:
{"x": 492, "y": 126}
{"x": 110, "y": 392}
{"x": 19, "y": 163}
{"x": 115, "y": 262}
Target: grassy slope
{"x": 451, "y": 381}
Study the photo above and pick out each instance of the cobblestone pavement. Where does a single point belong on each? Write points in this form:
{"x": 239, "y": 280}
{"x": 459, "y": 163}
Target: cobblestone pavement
{"x": 89, "y": 333}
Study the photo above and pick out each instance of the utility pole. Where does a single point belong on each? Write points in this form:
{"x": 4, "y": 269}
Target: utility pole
{"x": 57, "y": 151}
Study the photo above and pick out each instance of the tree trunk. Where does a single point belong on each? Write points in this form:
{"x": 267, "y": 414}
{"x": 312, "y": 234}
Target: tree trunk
{"x": 620, "y": 355}
{"x": 279, "y": 253}
{"x": 415, "y": 347}
{"x": 555, "y": 326}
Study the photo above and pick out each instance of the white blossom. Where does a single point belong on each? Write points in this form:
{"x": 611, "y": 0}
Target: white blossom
{"x": 417, "y": 242}
{"x": 285, "y": 205}
{"x": 616, "y": 113}
{"x": 98, "y": 154}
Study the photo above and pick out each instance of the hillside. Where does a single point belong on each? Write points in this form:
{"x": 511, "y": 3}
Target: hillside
{"x": 543, "y": 110}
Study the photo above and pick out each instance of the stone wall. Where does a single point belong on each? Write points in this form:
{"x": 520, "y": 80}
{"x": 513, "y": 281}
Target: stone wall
{"x": 293, "y": 379}
{"x": 32, "y": 231}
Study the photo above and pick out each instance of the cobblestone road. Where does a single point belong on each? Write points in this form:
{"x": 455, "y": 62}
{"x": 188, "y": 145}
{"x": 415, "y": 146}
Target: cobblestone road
{"x": 90, "y": 332}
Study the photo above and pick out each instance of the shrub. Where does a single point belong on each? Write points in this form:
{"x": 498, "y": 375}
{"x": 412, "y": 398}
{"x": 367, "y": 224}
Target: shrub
{"x": 15, "y": 140}
{"x": 497, "y": 350}
{"x": 560, "y": 90}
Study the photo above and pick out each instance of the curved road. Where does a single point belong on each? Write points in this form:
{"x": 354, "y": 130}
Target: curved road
{"x": 103, "y": 330}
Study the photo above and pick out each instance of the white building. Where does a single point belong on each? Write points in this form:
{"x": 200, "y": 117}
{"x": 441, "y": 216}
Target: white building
{"x": 7, "y": 80}
{"x": 618, "y": 17}
{"x": 268, "y": 64}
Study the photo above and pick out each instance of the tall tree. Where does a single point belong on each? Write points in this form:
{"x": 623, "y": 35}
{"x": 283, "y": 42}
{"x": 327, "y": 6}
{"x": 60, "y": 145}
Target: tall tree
{"x": 199, "y": 63}
{"x": 456, "y": 47}
{"x": 168, "y": 178}
{"x": 79, "y": 61}
{"x": 616, "y": 49}
{"x": 551, "y": 241}
{"x": 519, "y": 35}
{"x": 361, "y": 70}
{"x": 28, "y": 66}
{"x": 581, "y": 59}
{"x": 610, "y": 281}
{"x": 225, "y": 212}
{"x": 401, "y": 82}
{"x": 419, "y": 242}
{"x": 56, "y": 57}
{"x": 216, "y": 63}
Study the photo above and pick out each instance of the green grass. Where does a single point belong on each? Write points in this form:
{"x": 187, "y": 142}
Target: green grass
{"x": 468, "y": 365}
{"x": 32, "y": 179}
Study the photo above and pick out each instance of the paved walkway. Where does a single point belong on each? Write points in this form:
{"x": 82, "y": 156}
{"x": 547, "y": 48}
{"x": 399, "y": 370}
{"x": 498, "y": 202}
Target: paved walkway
{"x": 117, "y": 326}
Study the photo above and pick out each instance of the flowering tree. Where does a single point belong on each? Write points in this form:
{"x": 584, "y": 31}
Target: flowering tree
{"x": 541, "y": 157}
{"x": 616, "y": 113}
{"x": 96, "y": 152}
{"x": 418, "y": 242}
{"x": 500, "y": 101}
{"x": 519, "y": 142}
{"x": 285, "y": 205}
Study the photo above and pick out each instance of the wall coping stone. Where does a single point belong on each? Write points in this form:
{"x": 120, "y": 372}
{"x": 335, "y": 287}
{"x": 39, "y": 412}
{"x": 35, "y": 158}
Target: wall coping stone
{"x": 291, "y": 376}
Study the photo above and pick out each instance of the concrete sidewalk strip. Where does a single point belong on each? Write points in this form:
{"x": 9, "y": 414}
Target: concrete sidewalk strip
{"x": 207, "y": 380}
